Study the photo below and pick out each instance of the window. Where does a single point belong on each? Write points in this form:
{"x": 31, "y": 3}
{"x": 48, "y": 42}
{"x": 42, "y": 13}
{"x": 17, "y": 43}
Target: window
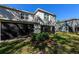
{"x": 26, "y": 16}
{"x": 46, "y": 16}
{"x": 22, "y": 16}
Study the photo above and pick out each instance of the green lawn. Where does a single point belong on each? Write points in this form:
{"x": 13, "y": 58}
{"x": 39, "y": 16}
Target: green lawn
{"x": 68, "y": 42}
{"x": 65, "y": 43}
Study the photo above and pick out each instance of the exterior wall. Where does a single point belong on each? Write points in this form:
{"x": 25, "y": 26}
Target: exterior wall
{"x": 14, "y": 15}
{"x": 70, "y": 26}
{"x": 30, "y": 18}
{"x": 40, "y": 14}
{"x": 47, "y": 20}
{"x": 51, "y": 19}
{"x": 8, "y": 14}
{"x": 37, "y": 28}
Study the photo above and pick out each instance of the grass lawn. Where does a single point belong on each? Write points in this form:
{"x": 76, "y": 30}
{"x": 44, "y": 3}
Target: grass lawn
{"x": 65, "y": 43}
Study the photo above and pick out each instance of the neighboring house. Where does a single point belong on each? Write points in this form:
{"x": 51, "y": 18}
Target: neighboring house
{"x": 15, "y": 23}
{"x": 71, "y": 25}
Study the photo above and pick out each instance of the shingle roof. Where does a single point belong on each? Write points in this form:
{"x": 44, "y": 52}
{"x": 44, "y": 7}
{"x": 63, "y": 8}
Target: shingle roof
{"x": 72, "y": 19}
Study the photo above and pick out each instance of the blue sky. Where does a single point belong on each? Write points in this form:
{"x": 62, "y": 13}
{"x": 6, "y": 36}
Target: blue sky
{"x": 62, "y": 11}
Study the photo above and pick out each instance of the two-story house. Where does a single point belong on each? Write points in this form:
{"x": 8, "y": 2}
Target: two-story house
{"x": 16, "y": 23}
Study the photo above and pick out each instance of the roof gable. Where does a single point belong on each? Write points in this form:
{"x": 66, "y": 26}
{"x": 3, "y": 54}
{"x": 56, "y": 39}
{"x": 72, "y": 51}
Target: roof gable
{"x": 41, "y": 10}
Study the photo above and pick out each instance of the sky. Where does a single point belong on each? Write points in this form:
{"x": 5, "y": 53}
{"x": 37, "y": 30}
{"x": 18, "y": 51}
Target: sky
{"x": 62, "y": 11}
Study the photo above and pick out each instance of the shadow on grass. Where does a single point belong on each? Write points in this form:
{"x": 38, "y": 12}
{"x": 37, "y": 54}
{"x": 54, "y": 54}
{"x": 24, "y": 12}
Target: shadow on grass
{"x": 11, "y": 47}
{"x": 52, "y": 49}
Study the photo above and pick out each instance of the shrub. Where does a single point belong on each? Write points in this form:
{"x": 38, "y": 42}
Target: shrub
{"x": 39, "y": 39}
{"x": 34, "y": 37}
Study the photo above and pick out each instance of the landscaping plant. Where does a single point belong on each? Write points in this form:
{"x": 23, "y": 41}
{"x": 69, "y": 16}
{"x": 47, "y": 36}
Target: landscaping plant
{"x": 40, "y": 41}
